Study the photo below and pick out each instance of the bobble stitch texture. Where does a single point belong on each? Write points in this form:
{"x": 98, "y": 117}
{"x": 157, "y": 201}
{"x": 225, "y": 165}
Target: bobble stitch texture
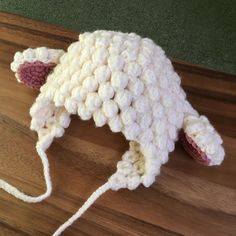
{"x": 122, "y": 80}
{"x": 127, "y": 82}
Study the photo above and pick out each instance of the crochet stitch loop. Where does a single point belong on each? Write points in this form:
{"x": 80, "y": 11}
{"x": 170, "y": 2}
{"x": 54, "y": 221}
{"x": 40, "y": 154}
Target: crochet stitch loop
{"x": 127, "y": 82}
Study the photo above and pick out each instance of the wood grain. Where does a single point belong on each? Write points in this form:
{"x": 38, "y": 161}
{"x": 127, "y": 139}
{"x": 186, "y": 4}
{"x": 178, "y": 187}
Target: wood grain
{"x": 186, "y": 199}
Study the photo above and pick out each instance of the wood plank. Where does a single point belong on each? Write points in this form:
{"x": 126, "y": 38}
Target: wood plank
{"x": 186, "y": 199}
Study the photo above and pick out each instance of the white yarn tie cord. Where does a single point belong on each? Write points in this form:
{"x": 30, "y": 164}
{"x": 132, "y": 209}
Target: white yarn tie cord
{"x": 95, "y": 195}
{"x": 26, "y": 198}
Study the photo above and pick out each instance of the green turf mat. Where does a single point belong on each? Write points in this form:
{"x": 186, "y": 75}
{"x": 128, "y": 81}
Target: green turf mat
{"x": 198, "y": 31}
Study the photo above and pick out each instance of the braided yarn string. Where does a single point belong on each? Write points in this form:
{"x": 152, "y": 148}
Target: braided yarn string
{"x": 95, "y": 195}
{"x": 26, "y": 198}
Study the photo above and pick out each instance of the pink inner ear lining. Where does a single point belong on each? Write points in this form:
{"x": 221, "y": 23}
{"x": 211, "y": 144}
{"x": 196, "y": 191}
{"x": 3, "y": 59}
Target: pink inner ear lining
{"x": 193, "y": 150}
{"x": 34, "y": 74}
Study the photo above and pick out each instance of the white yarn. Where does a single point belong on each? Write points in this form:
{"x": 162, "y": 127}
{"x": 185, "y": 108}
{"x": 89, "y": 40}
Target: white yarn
{"x": 90, "y": 84}
{"x": 133, "y": 69}
{"x": 26, "y": 198}
{"x": 128, "y": 115}
{"x": 124, "y": 81}
{"x": 99, "y": 118}
{"x": 110, "y": 108}
{"x": 119, "y": 80}
{"x": 106, "y": 91}
{"x": 123, "y": 98}
{"x": 116, "y": 63}
{"x": 95, "y": 195}
{"x": 78, "y": 93}
{"x": 115, "y": 124}
{"x": 131, "y": 131}
{"x": 102, "y": 73}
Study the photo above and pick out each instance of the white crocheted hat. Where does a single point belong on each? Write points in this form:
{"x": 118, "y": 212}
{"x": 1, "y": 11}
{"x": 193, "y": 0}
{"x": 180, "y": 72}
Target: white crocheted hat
{"x": 122, "y": 80}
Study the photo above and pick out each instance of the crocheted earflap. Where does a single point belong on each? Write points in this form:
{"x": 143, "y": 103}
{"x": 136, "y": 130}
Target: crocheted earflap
{"x": 134, "y": 169}
{"x": 32, "y": 67}
{"x": 49, "y": 122}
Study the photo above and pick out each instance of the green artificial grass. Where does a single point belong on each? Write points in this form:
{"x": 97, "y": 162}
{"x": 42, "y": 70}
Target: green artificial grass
{"x": 198, "y": 31}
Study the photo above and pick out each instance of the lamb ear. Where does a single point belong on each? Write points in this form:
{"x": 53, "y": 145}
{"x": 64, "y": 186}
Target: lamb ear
{"x": 193, "y": 150}
{"x": 201, "y": 141}
{"x": 32, "y": 66}
{"x": 34, "y": 74}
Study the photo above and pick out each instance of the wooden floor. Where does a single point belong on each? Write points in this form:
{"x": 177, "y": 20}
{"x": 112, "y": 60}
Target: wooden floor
{"x": 186, "y": 199}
